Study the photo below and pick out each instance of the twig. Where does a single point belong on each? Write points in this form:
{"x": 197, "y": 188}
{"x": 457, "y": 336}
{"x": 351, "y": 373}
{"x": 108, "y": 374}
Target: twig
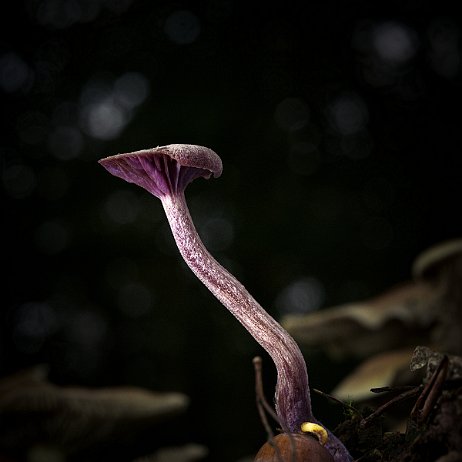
{"x": 261, "y": 399}
{"x": 430, "y": 392}
{"x": 336, "y": 400}
{"x": 392, "y": 389}
{"x": 379, "y": 411}
{"x": 263, "y": 405}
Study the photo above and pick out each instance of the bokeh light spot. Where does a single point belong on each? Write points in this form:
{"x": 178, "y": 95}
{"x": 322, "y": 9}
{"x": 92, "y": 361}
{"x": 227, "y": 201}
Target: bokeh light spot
{"x": 106, "y": 105}
{"x": 65, "y": 114}
{"x": 122, "y": 207}
{"x": 33, "y": 127}
{"x": 119, "y": 271}
{"x": 134, "y": 299}
{"x": 292, "y": 114}
{"x": 86, "y": 328}
{"x": 304, "y": 158}
{"x": 131, "y": 89}
{"x": 358, "y": 146}
{"x": 52, "y": 237}
{"x": 444, "y": 53}
{"x": 104, "y": 120}
{"x": 217, "y": 233}
{"x": 58, "y": 13}
{"x": 19, "y": 180}
{"x": 182, "y": 27}
{"x": 64, "y": 13}
{"x": 54, "y": 182}
{"x": 348, "y": 114}
{"x": 65, "y": 142}
{"x": 33, "y": 323}
{"x": 14, "y": 72}
{"x": 117, "y": 6}
{"x": 301, "y": 296}
{"x": 394, "y": 42}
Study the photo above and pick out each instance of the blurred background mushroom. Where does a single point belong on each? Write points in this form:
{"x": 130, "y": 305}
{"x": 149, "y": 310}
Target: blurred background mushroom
{"x": 401, "y": 316}
{"x": 339, "y": 125}
{"x": 440, "y": 268}
{"x": 41, "y": 421}
{"x": 186, "y": 453}
{"x": 383, "y": 332}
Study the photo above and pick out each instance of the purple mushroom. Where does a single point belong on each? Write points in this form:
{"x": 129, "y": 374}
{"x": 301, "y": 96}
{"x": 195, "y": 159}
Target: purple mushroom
{"x": 165, "y": 172}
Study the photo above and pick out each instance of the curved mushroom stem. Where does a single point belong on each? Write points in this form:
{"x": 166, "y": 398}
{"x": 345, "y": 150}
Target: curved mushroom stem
{"x": 292, "y": 397}
{"x": 293, "y": 404}
{"x": 165, "y": 171}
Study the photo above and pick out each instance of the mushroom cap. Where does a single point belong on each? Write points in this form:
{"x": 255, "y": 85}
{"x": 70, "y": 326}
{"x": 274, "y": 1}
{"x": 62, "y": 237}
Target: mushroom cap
{"x": 164, "y": 170}
{"x": 430, "y": 261}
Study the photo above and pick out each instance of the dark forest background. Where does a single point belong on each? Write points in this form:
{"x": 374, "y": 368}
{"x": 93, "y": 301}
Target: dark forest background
{"x": 339, "y": 127}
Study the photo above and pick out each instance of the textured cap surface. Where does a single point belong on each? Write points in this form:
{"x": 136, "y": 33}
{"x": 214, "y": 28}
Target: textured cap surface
{"x": 166, "y": 169}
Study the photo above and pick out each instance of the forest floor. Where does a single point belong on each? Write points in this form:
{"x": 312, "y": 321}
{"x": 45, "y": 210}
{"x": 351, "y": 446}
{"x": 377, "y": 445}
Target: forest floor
{"x": 432, "y": 412}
